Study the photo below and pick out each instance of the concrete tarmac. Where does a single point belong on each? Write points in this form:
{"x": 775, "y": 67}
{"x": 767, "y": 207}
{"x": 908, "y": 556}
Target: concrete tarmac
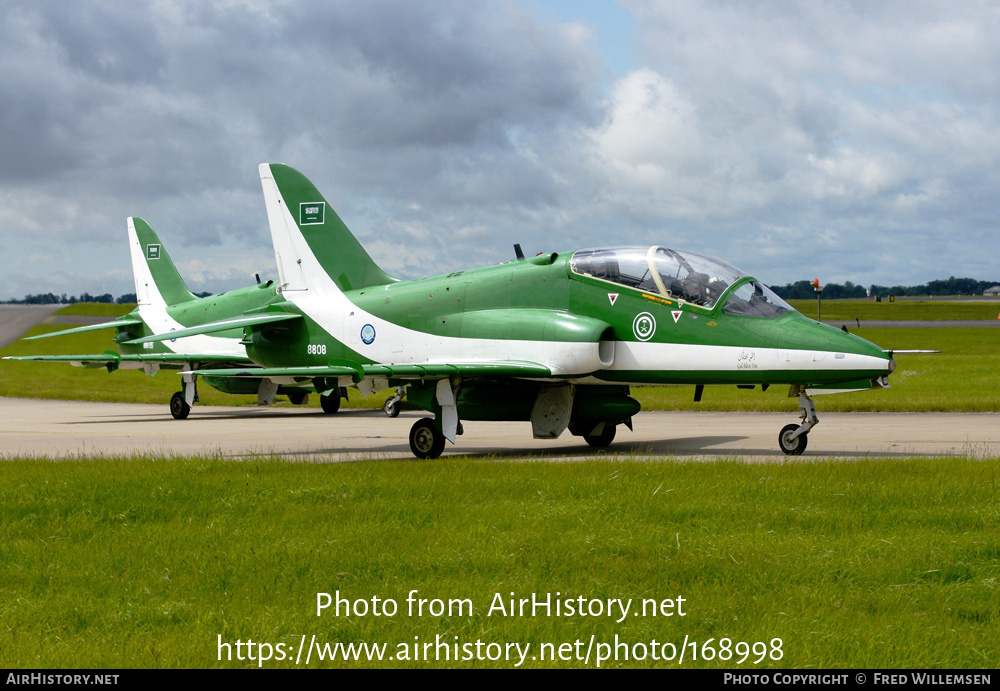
{"x": 73, "y": 429}
{"x": 16, "y": 319}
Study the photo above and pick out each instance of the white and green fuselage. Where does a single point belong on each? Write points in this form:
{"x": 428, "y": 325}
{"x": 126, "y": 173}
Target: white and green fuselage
{"x": 555, "y": 339}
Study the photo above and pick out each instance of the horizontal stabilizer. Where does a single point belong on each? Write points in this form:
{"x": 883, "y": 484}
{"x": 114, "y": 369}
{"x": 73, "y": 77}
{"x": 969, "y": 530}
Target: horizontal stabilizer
{"x": 90, "y": 327}
{"x": 213, "y": 327}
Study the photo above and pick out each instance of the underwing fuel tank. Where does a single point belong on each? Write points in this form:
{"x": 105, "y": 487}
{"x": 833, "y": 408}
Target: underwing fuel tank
{"x": 604, "y": 404}
{"x": 515, "y": 402}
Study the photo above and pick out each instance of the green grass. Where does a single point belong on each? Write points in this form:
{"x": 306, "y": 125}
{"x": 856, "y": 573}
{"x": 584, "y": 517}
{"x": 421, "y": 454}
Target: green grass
{"x": 97, "y": 309}
{"x": 965, "y": 377}
{"x": 928, "y": 309}
{"x": 143, "y": 563}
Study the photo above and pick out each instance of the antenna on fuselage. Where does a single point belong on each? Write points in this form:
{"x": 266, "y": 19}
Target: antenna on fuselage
{"x": 518, "y": 253}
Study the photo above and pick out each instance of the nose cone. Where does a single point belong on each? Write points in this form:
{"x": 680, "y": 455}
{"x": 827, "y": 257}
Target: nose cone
{"x": 829, "y": 353}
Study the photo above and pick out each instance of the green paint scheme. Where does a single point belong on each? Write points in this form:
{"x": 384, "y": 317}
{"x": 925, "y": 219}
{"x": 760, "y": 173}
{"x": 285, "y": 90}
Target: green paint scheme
{"x": 139, "y": 344}
{"x": 165, "y": 274}
{"x": 328, "y": 237}
{"x": 601, "y": 322}
{"x": 524, "y": 301}
{"x": 556, "y": 338}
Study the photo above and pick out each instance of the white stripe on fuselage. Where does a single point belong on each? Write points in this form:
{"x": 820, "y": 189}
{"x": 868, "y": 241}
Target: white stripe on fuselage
{"x": 160, "y": 322}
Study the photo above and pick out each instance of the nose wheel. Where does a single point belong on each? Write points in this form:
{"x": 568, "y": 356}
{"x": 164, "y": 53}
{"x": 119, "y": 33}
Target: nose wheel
{"x": 391, "y": 407}
{"x": 793, "y": 439}
{"x": 792, "y": 445}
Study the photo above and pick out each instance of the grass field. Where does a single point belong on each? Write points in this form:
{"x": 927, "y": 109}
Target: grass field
{"x": 146, "y": 562}
{"x": 143, "y": 563}
{"x": 930, "y": 309}
{"x": 97, "y": 309}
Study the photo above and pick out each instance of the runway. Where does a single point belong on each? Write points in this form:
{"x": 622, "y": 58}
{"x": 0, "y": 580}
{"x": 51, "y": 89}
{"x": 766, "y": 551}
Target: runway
{"x": 72, "y": 429}
{"x": 16, "y": 319}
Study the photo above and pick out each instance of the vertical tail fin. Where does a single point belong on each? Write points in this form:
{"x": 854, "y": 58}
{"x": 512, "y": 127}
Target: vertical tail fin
{"x": 303, "y": 224}
{"x": 156, "y": 279}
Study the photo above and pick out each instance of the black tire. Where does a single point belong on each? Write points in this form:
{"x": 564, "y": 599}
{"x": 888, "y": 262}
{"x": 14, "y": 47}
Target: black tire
{"x": 425, "y": 439}
{"x": 391, "y": 408}
{"x": 599, "y": 441}
{"x": 330, "y": 404}
{"x": 792, "y": 447}
{"x": 179, "y": 407}
{"x": 298, "y": 398}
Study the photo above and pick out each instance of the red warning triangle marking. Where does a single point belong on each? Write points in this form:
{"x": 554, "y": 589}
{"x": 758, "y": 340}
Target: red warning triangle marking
{"x": 676, "y": 314}
{"x": 612, "y": 297}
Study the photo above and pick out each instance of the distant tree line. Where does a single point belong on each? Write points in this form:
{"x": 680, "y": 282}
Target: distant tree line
{"x": 803, "y": 290}
{"x": 53, "y": 299}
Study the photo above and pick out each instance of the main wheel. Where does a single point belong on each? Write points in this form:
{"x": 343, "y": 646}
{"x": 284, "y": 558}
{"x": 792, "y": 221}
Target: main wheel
{"x": 330, "y": 404}
{"x": 391, "y": 408}
{"x": 178, "y": 406}
{"x": 792, "y": 447}
{"x": 298, "y": 397}
{"x": 599, "y": 441}
{"x": 425, "y": 439}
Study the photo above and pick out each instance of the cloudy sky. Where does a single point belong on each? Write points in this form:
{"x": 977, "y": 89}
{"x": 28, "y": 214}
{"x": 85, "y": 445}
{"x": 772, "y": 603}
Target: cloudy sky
{"x": 842, "y": 140}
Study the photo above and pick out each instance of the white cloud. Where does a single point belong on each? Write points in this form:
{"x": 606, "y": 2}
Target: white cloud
{"x": 790, "y": 138}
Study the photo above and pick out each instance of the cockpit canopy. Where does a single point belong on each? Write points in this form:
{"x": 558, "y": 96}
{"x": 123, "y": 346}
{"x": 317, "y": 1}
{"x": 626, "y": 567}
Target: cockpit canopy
{"x": 679, "y": 275}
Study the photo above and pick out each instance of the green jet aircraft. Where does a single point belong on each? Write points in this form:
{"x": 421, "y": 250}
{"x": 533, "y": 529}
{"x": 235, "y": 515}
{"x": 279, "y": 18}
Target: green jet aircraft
{"x": 556, "y": 339}
{"x": 165, "y": 305}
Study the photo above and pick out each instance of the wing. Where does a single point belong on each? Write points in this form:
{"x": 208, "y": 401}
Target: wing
{"x": 90, "y": 327}
{"x": 213, "y": 327}
{"x": 112, "y": 360}
{"x": 358, "y": 372}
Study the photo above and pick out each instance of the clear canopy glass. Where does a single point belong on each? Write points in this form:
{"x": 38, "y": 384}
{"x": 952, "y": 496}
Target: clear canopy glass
{"x": 678, "y": 275}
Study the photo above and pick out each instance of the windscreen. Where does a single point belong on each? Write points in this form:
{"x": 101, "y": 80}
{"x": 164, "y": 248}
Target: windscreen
{"x": 754, "y": 299}
{"x": 685, "y": 276}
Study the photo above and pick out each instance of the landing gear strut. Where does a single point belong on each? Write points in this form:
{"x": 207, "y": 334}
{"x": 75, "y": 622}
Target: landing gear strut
{"x": 793, "y": 438}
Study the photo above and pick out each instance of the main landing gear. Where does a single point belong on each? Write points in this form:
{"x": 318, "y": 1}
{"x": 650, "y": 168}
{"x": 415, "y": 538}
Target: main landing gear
{"x": 602, "y": 438}
{"x": 426, "y": 440}
{"x": 330, "y": 404}
{"x": 793, "y": 438}
{"x": 181, "y": 402}
{"x": 179, "y": 407}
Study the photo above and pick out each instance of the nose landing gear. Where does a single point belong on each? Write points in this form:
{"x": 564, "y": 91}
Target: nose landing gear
{"x": 793, "y": 438}
{"x": 391, "y": 407}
